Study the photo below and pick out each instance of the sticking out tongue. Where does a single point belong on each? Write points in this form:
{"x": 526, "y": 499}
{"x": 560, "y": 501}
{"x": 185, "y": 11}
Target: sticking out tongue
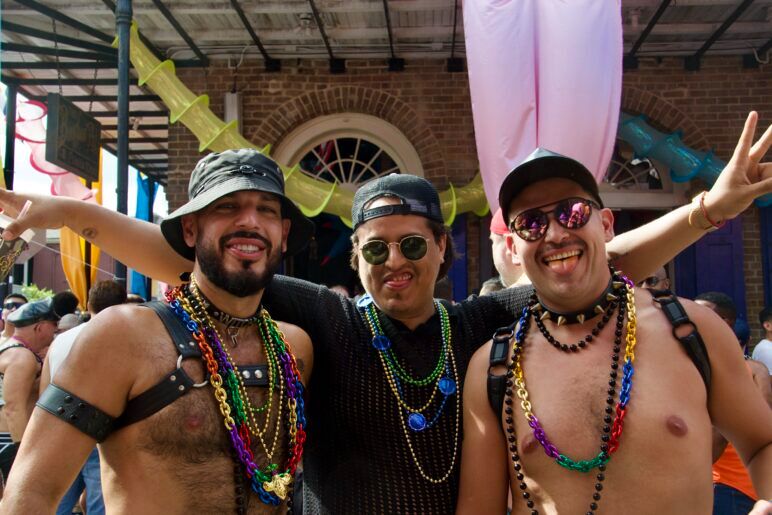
{"x": 563, "y": 266}
{"x": 398, "y": 281}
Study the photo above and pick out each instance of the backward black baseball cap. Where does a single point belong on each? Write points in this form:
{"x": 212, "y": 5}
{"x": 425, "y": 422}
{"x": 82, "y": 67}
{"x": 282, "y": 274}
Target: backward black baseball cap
{"x": 223, "y": 173}
{"x": 417, "y": 196}
{"x": 540, "y": 165}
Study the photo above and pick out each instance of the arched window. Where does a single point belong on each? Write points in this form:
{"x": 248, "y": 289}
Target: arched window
{"x": 349, "y": 161}
{"x": 350, "y": 148}
{"x": 632, "y": 182}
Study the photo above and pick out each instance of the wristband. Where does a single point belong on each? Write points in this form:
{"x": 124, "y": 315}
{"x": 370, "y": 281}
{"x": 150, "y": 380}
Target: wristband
{"x": 717, "y": 225}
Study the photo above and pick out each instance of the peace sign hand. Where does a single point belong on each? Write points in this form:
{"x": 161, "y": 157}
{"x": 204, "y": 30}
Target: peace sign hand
{"x": 745, "y": 177}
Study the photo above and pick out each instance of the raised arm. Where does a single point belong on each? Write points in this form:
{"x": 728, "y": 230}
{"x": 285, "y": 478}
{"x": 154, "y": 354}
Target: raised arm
{"x": 641, "y": 251}
{"x": 137, "y": 243}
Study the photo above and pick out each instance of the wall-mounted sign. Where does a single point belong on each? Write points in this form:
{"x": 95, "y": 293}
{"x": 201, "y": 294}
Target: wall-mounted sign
{"x": 73, "y": 138}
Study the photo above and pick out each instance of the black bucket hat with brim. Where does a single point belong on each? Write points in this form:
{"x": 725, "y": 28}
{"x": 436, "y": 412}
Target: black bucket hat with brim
{"x": 220, "y": 174}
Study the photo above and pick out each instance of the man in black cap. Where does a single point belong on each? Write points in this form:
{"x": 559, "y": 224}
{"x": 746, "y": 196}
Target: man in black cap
{"x": 384, "y": 412}
{"x": 570, "y": 435}
{"x": 21, "y": 359}
{"x": 198, "y": 403}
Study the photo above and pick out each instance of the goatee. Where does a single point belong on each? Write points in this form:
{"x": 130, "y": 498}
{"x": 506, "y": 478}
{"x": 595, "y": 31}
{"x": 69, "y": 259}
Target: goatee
{"x": 244, "y": 282}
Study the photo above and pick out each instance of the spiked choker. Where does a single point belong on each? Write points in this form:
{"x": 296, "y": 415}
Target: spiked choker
{"x": 230, "y": 321}
{"x": 601, "y": 305}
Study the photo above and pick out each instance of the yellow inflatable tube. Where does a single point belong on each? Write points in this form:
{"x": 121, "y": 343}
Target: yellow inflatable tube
{"x": 312, "y": 195}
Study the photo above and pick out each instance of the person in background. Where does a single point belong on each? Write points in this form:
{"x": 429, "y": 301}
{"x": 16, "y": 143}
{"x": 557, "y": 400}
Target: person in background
{"x": 733, "y": 492}
{"x": 67, "y": 322}
{"x": 11, "y": 303}
{"x": 658, "y": 281}
{"x": 506, "y": 264}
{"x": 762, "y": 352}
{"x": 21, "y": 359}
{"x": 492, "y": 285}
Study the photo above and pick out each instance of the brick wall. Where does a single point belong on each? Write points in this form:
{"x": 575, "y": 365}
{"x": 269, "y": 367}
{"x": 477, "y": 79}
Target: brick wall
{"x": 710, "y": 107}
{"x": 432, "y": 108}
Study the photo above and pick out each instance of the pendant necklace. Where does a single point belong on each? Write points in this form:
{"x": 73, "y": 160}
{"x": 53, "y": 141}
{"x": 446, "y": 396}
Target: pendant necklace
{"x": 443, "y": 379}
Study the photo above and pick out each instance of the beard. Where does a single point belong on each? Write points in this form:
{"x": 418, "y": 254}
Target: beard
{"x": 241, "y": 283}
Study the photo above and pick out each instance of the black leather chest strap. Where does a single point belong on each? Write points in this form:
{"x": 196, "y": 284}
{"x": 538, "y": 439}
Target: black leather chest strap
{"x": 254, "y": 375}
{"x": 75, "y": 411}
{"x": 175, "y": 384}
{"x": 497, "y": 383}
{"x": 691, "y": 342}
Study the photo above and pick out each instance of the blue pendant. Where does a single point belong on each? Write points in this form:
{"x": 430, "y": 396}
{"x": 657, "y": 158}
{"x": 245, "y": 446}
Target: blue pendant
{"x": 447, "y": 386}
{"x": 381, "y": 342}
{"x": 364, "y": 301}
{"x": 416, "y": 422}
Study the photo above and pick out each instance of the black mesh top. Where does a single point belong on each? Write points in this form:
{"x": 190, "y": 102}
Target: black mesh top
{"x": 356, "y": 457}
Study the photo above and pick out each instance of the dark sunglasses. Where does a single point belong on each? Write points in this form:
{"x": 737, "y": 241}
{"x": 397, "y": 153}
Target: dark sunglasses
{"x": 376, "y": 252}
{"x": 650, "y": 281}
{"x": 13, "y": 305}
{"x": 571, "y": 213}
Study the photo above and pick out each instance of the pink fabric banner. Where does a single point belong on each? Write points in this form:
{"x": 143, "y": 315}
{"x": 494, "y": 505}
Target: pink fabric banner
{"x": 543, "y": 73}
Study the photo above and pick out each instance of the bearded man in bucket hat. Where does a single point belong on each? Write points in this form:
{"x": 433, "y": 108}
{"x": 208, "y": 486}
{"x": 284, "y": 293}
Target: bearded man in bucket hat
{"x": 197, "y": 403}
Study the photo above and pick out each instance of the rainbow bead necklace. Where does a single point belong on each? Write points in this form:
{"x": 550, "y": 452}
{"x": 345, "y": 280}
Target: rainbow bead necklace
{"x": 444, "y": 376}
{"x": 271, "y": 483}
{"x": 609, "y": 443}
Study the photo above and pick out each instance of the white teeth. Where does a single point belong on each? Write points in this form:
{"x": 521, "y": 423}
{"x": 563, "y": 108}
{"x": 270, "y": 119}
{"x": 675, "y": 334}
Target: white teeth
{"x": 247, "y": 248}
{"x": 403, "y": 277}
{"x": 563, "y": 255}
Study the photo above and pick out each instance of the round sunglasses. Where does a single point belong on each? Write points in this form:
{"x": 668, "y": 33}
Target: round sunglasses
{"x": 571, "y": 213}
{"x": 376, "y": 252}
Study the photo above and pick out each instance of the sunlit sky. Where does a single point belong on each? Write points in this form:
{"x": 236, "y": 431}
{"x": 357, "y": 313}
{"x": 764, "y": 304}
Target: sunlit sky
{"x": 27, "y": 179}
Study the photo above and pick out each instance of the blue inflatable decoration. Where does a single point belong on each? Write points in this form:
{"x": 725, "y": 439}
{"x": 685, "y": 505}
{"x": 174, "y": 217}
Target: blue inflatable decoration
{"x": 685, "y": 163}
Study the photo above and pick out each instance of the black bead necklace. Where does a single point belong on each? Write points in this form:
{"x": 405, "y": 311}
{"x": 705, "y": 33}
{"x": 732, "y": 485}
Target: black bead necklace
{"x": 598, "y": 307}
{"x": 607, "y": 418}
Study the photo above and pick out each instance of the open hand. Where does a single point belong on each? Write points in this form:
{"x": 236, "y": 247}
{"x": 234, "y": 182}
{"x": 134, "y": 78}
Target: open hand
{"x": 745, "y": 177}
{"x": 45, "y": 212}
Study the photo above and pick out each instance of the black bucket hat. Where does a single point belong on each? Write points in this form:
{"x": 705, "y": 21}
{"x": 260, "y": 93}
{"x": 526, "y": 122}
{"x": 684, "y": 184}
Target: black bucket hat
{"x": 220, "y": 174}
{"x": 540, "y": 165}
{"x": 417, "y": 196}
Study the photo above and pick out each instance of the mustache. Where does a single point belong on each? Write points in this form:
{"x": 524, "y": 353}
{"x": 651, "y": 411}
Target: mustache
{"x": 551, "y": 247}
{"x": 244, "y": 234}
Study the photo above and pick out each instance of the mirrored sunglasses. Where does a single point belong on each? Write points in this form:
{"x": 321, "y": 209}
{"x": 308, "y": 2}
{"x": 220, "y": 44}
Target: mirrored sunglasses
{"x": 376, "y": 252}
{"x": 571, "y": 213}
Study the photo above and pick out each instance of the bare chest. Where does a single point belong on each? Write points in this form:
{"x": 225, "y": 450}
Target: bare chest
{"x": 665, "y": 428}
{"x": 186, "y": 454}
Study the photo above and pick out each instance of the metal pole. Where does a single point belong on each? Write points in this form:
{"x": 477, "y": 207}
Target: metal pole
{"x": 150, "y": 199}
{"x": 123, "y": 16}
{"x": 10, "y": 136}
{"x": 10, "y": 156}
